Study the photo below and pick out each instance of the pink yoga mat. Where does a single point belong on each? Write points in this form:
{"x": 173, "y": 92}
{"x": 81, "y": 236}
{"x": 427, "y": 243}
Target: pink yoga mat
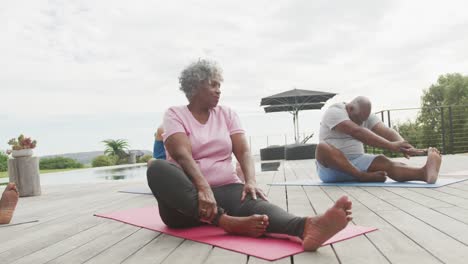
{"x": 266, "y": 247}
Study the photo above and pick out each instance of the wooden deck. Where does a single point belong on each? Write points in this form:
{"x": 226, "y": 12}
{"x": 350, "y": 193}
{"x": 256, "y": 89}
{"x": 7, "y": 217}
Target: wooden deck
{"x": 415, "y": 225}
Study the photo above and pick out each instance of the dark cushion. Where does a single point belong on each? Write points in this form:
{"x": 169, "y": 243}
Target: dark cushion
{"x": 300, "y": 151}
{"x": 272, "y": 153}
{"x": 270, "y": 166}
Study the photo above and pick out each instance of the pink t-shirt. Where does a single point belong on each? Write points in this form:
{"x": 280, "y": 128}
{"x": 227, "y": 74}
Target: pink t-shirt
{"x": 211, "y": 142}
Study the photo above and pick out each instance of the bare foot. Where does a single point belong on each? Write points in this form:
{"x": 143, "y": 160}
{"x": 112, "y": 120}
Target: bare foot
{"x": 253, "y": 226}
{"x": 434, "y": 159}
{"x": 321, "y": 228}
{"x": 376, "y": 176}
{"x": 8, "y": 203}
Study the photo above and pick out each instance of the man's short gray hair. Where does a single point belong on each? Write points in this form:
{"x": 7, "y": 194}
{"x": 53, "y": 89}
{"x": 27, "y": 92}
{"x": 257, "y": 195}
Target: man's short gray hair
{"x": 197, "y": 72}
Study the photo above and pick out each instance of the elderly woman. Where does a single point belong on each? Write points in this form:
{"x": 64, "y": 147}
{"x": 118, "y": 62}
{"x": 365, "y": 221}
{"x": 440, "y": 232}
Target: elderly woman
{"x": 198, "y": 183}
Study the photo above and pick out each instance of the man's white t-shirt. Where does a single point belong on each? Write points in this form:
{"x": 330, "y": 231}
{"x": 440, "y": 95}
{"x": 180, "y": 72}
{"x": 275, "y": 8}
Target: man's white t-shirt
{"x": 334, "y": 115}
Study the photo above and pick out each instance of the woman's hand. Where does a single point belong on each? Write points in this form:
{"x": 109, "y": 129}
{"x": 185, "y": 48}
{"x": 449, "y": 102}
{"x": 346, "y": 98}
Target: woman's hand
{"x": 250, "y": 188}
{"x": 207, "y": 208}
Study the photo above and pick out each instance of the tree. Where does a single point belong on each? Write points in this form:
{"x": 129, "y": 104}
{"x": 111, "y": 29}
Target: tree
{"x": 443, "y": 103}
{"x": 412, "y": 132}
{"x": 3, "y": 161}
{"x": 116, "y": 147}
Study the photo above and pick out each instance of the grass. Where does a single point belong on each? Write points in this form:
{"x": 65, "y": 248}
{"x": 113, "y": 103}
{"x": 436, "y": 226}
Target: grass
{"x": 4, "y": 174}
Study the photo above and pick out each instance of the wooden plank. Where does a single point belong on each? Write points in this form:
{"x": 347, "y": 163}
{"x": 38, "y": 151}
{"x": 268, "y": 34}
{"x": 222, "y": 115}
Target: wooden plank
{"x": 79, "y": 211}
{"x": 69, "y": 244}
{"x": 219, "y": 255}
{"x": 254, "y": 260}
{"x": 277, "y": 194}
{"x": 189, "y": 252}
{"x": 460, "y": 185}
{"x": 53, "y": 209}
{"x": 126, "y": 247}
{"x": 453, "y": 191}
{"x": 31, "y": 242}
{"x": 155, "y": 251}
{"x": 440, "y": 245}
{"x": 415, "y": 197}
{"x": 455, "y": 229}
{"x": 57, "y": 231}
{"x": 445, "y": 197}
{"x": 432, "y": 240}
{"x": 371, "y": 201}
{"x": 390, "y": 241}
{"x": 96, "y": 246}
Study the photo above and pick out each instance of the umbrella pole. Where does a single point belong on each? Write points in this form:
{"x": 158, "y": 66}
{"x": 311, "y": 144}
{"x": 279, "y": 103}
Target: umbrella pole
{"x": 296, "y": 126}
{"x": 297, "y": 121}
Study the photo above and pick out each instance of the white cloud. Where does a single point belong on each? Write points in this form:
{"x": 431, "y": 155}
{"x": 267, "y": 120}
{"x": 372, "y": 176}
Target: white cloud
{"x": 98, "y": 58}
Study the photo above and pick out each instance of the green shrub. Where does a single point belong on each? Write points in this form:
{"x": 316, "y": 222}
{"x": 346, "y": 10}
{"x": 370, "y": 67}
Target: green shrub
{"x": 59, "y": 163}
{"x": 121, "y": 161}
{"x": 3, "y": 161}
{"x": 144, "y": 158}
{"x": 103, "y": 160}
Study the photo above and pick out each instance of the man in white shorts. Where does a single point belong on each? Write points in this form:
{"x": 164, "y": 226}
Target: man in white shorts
{"x": 340, "y": 156}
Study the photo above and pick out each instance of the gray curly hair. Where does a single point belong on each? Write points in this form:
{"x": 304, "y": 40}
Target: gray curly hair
{"x": 197, "y": 72}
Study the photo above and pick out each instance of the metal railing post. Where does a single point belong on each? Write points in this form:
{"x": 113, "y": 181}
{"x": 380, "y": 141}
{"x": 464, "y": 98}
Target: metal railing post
{"x": 451, "y": 129}
{"x": 388, "y": 121}
{"x": 443, "y": 129}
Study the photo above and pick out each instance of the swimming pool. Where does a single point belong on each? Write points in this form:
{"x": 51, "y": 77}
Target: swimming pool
{"x": 123, "y": 172}
{"x": 136, "y": 172}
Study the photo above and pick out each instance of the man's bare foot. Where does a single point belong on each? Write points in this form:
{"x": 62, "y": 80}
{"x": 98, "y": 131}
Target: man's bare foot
{"x": 434, "y": 160}
{"x": 8, "y": 203}
{"x": 376, "y": 176}
{"x": 253, "y": 226}
{"x": 321, "y": 228}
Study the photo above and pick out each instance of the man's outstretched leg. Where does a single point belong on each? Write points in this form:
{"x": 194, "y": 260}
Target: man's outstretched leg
{"x": 401, "y": 172}
{"x": 330, "y": 157}
{"x": 8, "y": 203}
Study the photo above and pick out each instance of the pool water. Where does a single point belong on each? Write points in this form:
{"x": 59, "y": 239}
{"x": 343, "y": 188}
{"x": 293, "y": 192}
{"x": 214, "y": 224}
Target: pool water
{"x": 129, "y": 173}
{"x": 115, "y": 173}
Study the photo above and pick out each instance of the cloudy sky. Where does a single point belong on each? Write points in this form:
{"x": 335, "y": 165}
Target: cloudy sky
{"x": 73, "y": 73}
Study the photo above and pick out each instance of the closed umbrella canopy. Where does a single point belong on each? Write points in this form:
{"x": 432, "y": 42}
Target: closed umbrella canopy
{"x": 294, "y": 101}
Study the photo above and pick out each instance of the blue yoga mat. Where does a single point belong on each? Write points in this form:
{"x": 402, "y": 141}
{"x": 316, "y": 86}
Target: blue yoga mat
{"x": 138, "y": 190}
{"x": 388, "y": 183}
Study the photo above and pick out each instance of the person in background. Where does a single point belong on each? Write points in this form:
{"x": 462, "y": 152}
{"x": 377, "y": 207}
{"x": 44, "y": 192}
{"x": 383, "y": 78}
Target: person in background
{"x": 340, "y": 156}
{"x": 159, "y": 152}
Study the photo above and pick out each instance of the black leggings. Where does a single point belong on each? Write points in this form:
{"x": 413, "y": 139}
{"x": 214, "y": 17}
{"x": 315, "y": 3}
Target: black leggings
{"x": 178, "y": 201}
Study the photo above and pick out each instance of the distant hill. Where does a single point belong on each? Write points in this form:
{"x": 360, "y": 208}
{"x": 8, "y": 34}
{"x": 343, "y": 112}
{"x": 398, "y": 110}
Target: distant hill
{"x": 87, "y": 157}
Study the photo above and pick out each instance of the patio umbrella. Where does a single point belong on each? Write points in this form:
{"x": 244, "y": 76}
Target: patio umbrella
{"x": 294, "y": 101}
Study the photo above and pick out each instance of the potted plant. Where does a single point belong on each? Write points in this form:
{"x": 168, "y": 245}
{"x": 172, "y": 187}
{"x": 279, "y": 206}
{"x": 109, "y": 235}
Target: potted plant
{"x": 21, "y": 146}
